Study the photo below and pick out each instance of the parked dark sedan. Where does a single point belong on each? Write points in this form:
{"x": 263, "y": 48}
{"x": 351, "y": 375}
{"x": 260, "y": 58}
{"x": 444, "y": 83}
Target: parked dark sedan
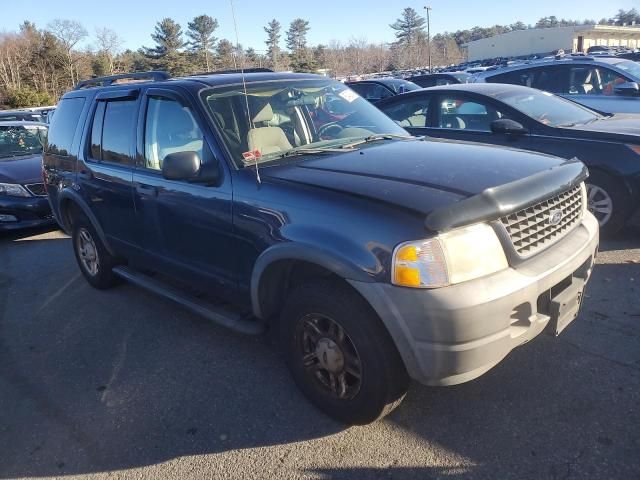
{"x": 23, "y": 198}
{"x": 437, "y": 79}
{"x": 529, "y": 119}
{"x": 377, "y": 89}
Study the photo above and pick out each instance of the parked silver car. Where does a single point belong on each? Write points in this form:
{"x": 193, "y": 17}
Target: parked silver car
{"x": 609, "y": 84}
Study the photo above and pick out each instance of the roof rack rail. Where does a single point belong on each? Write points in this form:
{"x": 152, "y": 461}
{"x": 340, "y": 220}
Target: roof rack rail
{"x": 154, "y": 75}
{"x": 246, "y": 70}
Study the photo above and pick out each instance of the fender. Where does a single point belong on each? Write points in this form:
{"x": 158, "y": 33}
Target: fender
{"x": 304, "y": 252}
{"x": 76, "y": 198}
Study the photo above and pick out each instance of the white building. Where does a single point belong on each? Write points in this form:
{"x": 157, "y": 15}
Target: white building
{"x": 546, "y": 40}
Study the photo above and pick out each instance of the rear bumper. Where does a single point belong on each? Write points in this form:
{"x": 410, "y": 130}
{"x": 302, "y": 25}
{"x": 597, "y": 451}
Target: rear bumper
{"x": 452, "y": 335}
{"x": 27, "y": 212}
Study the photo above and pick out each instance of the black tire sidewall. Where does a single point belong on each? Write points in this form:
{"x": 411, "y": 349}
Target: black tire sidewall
{"x": 384, "y": 379}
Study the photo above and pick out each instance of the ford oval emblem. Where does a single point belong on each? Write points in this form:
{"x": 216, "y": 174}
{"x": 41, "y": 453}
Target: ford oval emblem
{"x": 555, "y": 217}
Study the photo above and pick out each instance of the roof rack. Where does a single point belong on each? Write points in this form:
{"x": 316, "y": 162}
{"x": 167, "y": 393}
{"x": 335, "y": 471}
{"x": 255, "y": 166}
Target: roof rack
{"x": 246, "y": 70}
{"x": 154, "y": 75}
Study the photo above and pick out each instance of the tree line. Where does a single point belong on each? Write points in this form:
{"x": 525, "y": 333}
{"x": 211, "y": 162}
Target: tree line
{"x": 37, "y": 65}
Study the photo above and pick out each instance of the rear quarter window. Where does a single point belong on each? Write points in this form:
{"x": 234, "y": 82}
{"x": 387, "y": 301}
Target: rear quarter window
{"x": 63, "y": 126}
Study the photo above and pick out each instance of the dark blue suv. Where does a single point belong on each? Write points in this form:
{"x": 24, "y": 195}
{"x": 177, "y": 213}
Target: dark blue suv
{"x": 286, "y": 201}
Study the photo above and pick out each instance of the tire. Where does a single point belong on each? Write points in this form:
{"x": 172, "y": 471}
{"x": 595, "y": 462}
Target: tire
{"x": 607, "y": 193}
{"x": 86, "y": 242}
{"x": 307, "y": 330}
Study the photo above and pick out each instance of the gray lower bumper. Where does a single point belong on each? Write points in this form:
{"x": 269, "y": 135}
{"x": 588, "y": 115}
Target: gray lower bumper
{"x": 452, "y": 335}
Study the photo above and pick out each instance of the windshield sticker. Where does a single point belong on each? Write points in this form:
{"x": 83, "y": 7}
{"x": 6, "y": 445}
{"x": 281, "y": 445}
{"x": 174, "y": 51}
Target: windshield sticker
{"x": 252, "y": 155}
{"x": 349, "y": 95}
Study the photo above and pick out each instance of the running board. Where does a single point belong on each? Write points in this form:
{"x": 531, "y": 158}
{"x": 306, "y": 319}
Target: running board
{"x": 211, "y": 312}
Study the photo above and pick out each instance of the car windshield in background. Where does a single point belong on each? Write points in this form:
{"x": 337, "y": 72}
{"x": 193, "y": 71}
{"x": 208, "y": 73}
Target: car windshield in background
{"x": 461, "y": 77}
{"x": 20, "y": 140}
{"x": 547, "y": 108}
{"x": 630, "y": 68}
{"x": 290, "y": 117}
{"x": 402, "y": 86}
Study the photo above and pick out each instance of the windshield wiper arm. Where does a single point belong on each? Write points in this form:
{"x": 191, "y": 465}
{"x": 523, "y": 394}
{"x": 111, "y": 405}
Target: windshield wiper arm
{"x": 310, "y": 151}
{"x": 377, "y": 137}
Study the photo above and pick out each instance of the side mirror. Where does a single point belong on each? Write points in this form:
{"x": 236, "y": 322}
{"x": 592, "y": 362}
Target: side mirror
{"x": 181, "y": 166}
{"x": 627, "y": 88}
{"x": 508, "y": 127}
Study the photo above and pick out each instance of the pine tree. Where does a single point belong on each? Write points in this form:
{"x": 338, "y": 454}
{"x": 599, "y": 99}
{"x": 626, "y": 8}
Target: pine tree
{"x": 273, "y": 39}
{"x": 409, "y": 27}
{"x": 167, "y": 54}
{"x": 301, "y": 57}
{"x": 200, "y": 32}
{"x": 226, "y": 52}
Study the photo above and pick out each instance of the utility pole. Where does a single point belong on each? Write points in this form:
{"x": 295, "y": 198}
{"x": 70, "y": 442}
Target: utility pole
{"x": 428, "y": 9}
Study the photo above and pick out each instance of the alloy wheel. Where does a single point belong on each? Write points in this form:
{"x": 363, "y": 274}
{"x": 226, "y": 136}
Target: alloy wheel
{"x": 329, "y": 356}
{"x": 599, "y": 203}
{"x": 88, "y": 252}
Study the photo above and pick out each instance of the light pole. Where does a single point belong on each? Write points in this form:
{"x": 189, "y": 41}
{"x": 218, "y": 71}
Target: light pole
{"x": 428, "y": 9}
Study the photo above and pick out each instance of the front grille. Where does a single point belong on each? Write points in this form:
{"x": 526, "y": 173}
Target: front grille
{"x": 532, "y": 230}
{"x": 37, "y": 189}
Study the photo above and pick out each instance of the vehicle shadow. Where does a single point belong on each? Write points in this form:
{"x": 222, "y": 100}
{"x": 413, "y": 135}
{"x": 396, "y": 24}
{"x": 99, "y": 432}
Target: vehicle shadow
{"x": 97, "y": 381}
{"x": 629, "y": 238}
{"x": 103, "y": 381}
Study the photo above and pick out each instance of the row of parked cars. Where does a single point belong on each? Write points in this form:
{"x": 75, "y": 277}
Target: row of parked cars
{"x": 288, "y": 202}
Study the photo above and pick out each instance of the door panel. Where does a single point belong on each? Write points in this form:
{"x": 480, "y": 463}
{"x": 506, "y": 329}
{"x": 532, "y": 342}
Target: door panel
{"x": 186, "y": 228}
{"x": 105, "y": 175}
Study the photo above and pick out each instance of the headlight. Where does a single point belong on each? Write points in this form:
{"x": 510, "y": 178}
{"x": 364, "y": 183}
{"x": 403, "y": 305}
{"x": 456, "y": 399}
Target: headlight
{"x": 13, "y": 190}
{"x": 453, "y": 257}
{"x": 634, "y": 148}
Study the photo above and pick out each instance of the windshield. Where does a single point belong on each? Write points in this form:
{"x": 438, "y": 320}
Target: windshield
{"x": 630, "y": 68}
{"x": 402, "y": 86}
{"x": 547, "y": 108}
{"x": 21, "y": 140}
{"x": 291, "y": 115}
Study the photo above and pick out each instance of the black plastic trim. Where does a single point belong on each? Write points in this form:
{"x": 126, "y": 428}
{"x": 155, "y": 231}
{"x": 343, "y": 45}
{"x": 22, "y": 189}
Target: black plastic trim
{"x": 497, "y": 202}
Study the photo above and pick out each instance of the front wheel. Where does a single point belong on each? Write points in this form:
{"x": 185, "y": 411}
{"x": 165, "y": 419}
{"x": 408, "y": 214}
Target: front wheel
{"x": 609, "y": 201}
{"x": 340, "y": 354}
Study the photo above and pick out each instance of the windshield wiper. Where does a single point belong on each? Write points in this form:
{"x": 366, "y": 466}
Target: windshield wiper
{"x": 378, "y": 137}
{"x": 310, "y": 151}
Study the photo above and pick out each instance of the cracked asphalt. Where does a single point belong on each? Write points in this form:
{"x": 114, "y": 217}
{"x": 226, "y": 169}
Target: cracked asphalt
{"x": 122, "y": 384}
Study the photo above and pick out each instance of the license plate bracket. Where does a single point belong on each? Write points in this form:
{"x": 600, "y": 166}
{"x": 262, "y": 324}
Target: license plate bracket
{"x": 565, "y": 306}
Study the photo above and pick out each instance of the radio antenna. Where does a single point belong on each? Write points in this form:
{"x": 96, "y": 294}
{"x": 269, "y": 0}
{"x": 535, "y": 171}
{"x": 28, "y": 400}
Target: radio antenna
{"x": 244, "y": 85}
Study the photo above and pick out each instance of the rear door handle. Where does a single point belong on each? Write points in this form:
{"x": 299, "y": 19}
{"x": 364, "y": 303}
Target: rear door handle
{"x": 148, "y": 190}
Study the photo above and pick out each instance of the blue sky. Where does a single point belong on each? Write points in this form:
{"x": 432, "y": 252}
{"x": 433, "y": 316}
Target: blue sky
{"x": 134, "y": 20}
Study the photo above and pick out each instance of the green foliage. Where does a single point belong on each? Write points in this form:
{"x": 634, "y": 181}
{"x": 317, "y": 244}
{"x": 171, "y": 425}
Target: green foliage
{"x": 408, "y": 27}
{"x": 168, "y": 38}
{"x": 272, "y": 30}
{"x": 200, "y": 32}
{"x": 28, "y": 97}
{"x": 297, "y": 35}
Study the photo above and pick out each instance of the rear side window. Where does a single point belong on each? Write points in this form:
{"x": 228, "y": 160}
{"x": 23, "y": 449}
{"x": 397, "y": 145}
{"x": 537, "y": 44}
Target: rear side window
{"x": 112, "y": 133}
{"x": 63, "y": 125}
{"x": 409, "y": 114}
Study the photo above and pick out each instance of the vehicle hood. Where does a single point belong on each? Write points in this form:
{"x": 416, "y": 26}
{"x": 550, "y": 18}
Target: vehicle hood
{"x": 22, "y": 170}
{"x": 420, "y": 175}
{"x": 620, "y": 125}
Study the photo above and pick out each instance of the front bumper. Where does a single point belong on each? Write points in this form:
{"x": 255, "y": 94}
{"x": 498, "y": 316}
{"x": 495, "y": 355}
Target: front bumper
{"x": 28, "y": 212}
{"x": 452, "y": 335}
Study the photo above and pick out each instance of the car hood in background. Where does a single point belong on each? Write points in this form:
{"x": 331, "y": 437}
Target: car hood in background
{"x": 620, "y": 124}
{"x": 25, "y": 169}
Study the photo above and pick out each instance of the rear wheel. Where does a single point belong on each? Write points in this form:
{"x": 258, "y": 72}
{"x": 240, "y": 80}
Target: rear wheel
{"x": 609, "y": 201}
{"x": 340, "y": 354}
{"x": 94, "y": 260}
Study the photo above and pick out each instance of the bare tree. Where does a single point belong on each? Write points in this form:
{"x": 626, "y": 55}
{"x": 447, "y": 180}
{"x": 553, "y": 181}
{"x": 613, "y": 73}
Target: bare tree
{"x": 69, "y": 33}
{"x": 108, "y": 44}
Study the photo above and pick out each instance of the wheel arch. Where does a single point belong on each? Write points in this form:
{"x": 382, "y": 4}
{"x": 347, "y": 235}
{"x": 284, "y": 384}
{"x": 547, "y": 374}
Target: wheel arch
{"x": 68, "y": 200}
{"x": 282, "y": 264}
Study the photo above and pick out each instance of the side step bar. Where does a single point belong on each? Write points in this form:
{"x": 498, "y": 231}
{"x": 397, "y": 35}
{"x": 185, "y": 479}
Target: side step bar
{"x": 211, "y": 312}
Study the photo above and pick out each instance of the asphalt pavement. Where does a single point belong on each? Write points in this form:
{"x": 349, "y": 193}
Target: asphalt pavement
{"x": 122, "y": 384}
